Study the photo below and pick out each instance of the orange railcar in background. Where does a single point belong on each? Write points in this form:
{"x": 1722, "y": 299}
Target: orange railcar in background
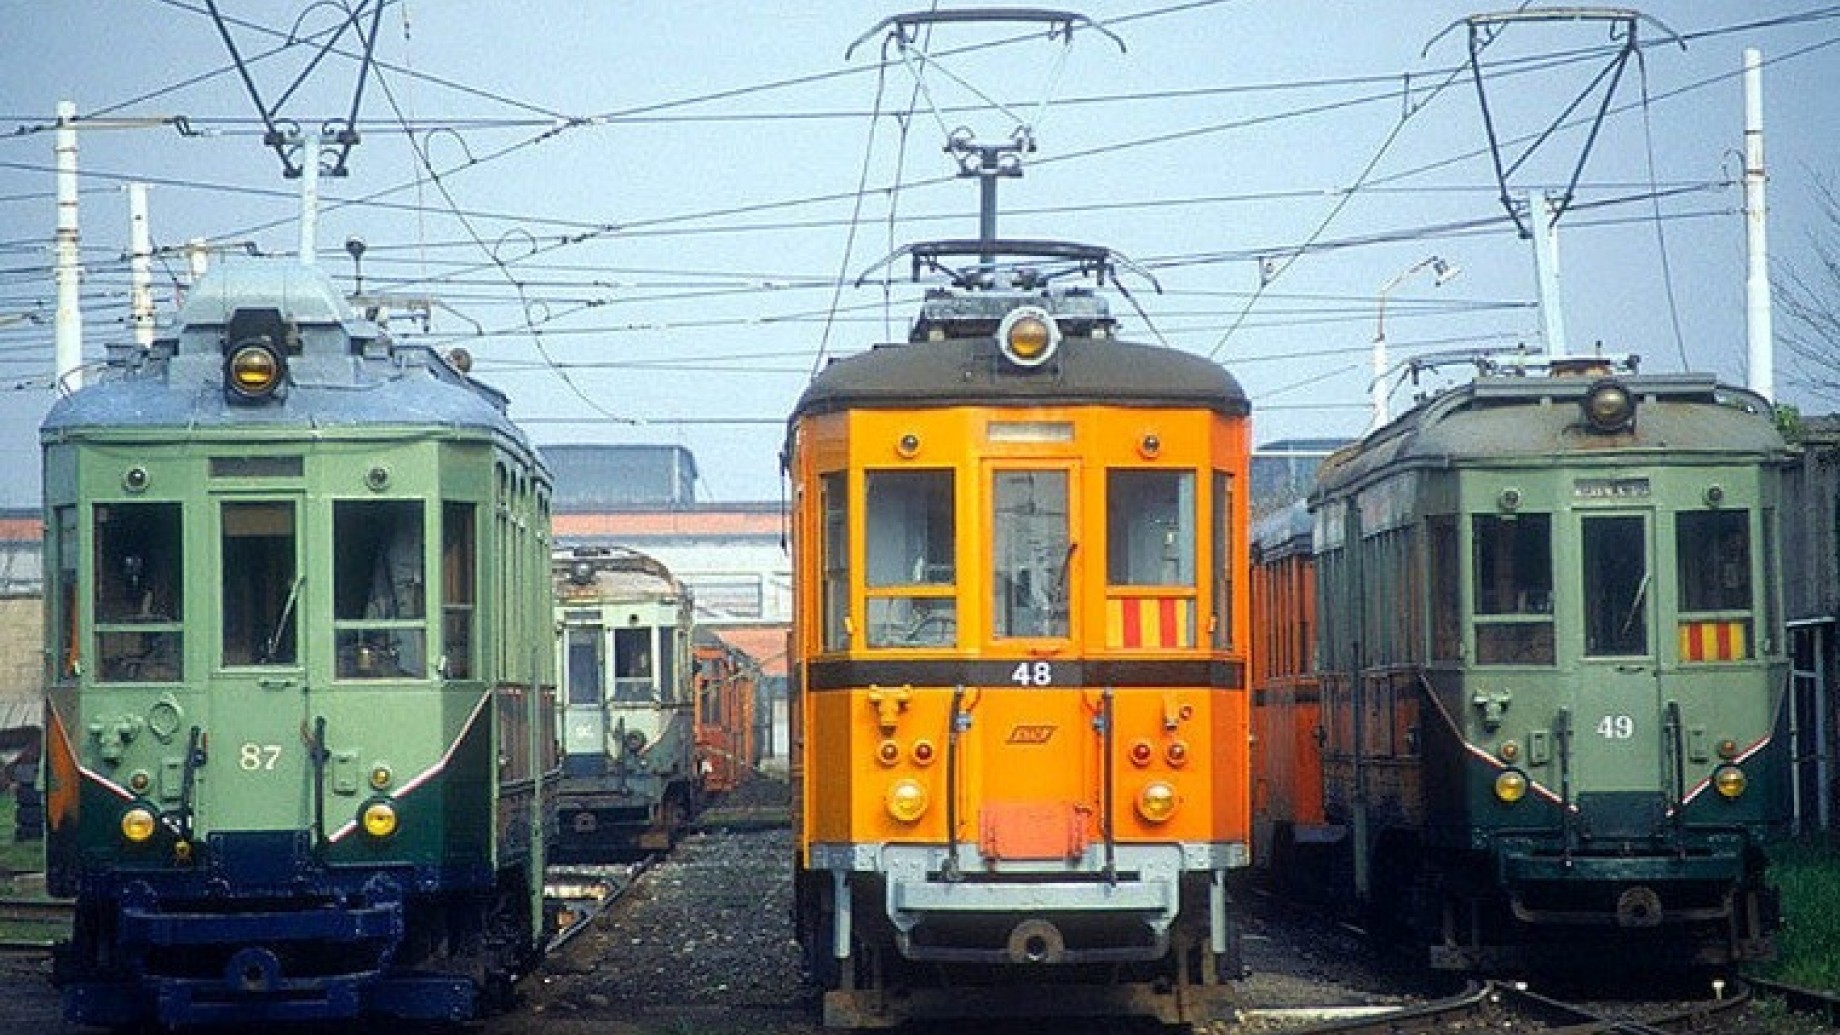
{"x": 727, "y": 681}
{"x": 1287, "y": 725}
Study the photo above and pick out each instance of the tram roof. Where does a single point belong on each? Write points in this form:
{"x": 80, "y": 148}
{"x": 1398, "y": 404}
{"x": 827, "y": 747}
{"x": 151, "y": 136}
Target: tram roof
{"x": 969, "y": 371}
{"x": 345, "y": 373}
{"x": 1497, "y": 418}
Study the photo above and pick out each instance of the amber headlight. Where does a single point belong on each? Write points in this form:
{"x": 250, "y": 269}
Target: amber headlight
{"x": 137, "y": 824}
{"x": 252, "y": 371}
{"x": 1729, "y": 780}
{"x": 1510, "y": 785}
{"x": 906, "y": 800}
{"x": 1028, "y": 336}
{"x": 1156, "y": 802}
{"x": 379, "y": 819}
{"x": 1608, "y": 406}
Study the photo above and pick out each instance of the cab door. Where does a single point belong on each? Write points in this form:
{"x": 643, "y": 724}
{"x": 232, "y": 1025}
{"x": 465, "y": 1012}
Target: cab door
{"x": 1031, "y": 734}
{"x": 260, "y": 767}
{"x": 1618, "y": 729}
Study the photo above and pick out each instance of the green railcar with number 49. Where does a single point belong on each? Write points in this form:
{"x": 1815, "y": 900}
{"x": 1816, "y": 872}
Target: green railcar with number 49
{"x": 299, "y": 750}
{"x": 1553, "y": 669}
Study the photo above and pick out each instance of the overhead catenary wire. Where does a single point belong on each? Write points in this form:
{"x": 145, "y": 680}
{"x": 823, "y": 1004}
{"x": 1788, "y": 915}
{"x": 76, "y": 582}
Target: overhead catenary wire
{"x": 524, "y": 262}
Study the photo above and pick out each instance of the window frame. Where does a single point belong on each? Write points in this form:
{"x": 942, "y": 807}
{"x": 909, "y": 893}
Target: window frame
{"x": 1068, "y": 580}
{"x": 941, "y": 597}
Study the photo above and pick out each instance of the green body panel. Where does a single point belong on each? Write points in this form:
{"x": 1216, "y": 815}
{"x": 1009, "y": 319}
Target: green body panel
{"x": 259, "y": 723}
{"x": 1619, "y": 743}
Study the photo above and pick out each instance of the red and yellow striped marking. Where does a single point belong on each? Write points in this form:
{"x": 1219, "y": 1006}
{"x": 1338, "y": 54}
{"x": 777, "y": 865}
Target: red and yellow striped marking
{"x": 1149, "y": 622}
{"x": 1712, "y": 641}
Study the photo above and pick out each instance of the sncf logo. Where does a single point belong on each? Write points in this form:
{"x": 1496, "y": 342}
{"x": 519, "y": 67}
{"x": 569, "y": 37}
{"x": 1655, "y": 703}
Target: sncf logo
{"x": 1031, "y": 734}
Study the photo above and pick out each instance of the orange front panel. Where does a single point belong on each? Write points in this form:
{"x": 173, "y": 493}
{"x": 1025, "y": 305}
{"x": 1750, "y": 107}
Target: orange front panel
{"x": 1030, "y": 760}
{"x": 1030, "y": 767}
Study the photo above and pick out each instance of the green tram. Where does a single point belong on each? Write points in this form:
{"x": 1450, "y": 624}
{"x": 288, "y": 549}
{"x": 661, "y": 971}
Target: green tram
{"x": 299, "y": 719}
{"x": 630, "y": 779}
{"x": 1553, "y": 668}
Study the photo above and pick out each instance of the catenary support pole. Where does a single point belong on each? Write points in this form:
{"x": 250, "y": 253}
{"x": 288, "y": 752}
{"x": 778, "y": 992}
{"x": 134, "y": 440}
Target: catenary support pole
{"x": 68, "y": 329}
{"x": 1758, "y": 318}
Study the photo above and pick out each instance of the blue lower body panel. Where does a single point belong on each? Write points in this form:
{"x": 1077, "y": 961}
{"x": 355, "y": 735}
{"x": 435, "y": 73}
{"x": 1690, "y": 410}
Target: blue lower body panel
{"x": 263, "y": 933}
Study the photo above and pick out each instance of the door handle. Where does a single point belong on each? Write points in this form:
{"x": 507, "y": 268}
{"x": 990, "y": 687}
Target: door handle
{"x": 275, "y": 682}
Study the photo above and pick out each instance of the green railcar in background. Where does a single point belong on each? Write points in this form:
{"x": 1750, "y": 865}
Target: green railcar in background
{"x": 300, "y": 729}
{"x": 630, "y": 779}
{"x": 1554, "y": 668}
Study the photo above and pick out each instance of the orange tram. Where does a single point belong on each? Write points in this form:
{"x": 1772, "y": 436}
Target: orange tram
{"x": 1020, "y": 740}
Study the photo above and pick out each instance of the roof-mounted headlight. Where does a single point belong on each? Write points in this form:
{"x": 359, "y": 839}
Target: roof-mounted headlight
{"x": 253, "y": 369}
{"x": 1028, "y": 336}
{"x": 1609, "y": 406}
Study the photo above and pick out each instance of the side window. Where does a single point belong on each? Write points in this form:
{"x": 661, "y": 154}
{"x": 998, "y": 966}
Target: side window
{"x": 669, "y": 642}
{"x": 835, "y": 603}
{"x": 139, "y": 605}
{"x": 1512, "y": 561}
{"x": 1446, "y": 585}
{"x": 63, "y": 601}
{"x": 459, "y": 588}
{"x": 1713, "y": 561}
{"x": 1032, "y": 550}
{"x": 1223, "y": 560}
{"x": 912, "y": 576}
{"x": 260, "y": 591}
{"x": 379, "y": 589}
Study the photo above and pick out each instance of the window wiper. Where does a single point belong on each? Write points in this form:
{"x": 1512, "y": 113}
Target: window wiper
{"x": 281, "y": 621}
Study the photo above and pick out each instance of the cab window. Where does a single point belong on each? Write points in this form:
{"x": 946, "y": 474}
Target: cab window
{"x": 379, "y": 589}
{"x": 911, "y": 559}
{"x": 1512, "y": 562}
{"x": 1150, "y": 558}
{"x": 1150, "y": 528}
{"x": 1713, "y": 565}
{"x": 139, "y": 604}
{"x": 632, "y": 665}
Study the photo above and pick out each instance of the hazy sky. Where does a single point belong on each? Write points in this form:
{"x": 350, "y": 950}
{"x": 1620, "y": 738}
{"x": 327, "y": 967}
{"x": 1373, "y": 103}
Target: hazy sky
{"x": 646, "y": 219}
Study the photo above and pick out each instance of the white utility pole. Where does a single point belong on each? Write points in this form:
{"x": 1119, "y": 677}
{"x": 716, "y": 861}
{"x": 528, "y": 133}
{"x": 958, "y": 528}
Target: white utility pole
{"x": 140, "y": 262}
{"x": 68, "y": 333}
{"x": 1757, "y": 314}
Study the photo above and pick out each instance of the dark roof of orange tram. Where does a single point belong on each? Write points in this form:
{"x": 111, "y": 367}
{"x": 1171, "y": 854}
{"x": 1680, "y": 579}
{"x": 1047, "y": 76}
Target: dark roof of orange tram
{"x": 971, "y": 372}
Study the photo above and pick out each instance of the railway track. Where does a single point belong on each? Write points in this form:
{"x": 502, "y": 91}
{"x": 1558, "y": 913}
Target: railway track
{"x": 1501, "y": 1006}
{"x": 30, "y": 926}
{"x": 577, "y": 895}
